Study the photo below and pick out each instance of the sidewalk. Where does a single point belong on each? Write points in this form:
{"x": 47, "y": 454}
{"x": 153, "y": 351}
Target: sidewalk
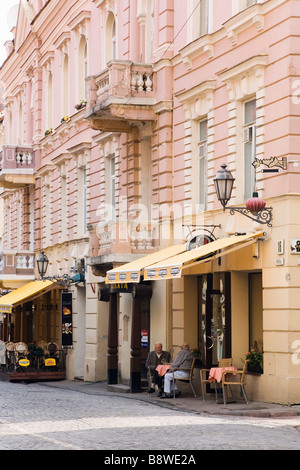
{"x": 187, "y": 402}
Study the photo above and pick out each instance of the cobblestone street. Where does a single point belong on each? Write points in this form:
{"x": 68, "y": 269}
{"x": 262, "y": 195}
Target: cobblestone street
{"x": 41, "y": 417}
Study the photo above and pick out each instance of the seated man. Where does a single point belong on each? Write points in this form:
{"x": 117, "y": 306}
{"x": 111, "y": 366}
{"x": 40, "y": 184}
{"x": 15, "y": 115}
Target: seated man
{"x": 155, "y": 358}
{"x": 183, "y": 360}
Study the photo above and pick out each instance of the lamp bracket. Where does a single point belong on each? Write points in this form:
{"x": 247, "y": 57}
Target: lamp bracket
{"x": 262, "y": 217}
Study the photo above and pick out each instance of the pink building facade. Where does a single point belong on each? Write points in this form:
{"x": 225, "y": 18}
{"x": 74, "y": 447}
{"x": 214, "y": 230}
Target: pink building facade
{"x": 118, "y": 116}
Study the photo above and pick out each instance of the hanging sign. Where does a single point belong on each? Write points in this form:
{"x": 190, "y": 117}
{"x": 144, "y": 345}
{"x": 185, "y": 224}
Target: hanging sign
{"x": 50, "y": 362}
{"x": 144, "y": 338}
{"x": 24, "y": 362}
{"x": 67, "y": 319}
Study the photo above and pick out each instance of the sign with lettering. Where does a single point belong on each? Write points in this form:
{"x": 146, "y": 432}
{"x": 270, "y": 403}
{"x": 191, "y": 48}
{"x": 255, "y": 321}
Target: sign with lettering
{"x": 67, "y": 319}
{"x": 121, "y": 287}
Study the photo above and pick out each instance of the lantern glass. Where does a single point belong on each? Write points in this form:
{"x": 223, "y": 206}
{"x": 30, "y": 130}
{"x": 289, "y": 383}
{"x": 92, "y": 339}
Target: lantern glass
{"x": 224, "y": 184}
{"x": 42, "y": 264}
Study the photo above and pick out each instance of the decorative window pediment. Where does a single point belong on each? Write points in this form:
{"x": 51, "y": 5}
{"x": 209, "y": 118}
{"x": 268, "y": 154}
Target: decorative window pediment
{"x": 79, "y": 23}
{"x": 253, "y": 15}
{"x": 198, "y": 101}
{"x": 246, "y": 78}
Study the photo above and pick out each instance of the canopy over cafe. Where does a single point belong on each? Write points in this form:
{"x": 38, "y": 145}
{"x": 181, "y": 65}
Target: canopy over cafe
{"x": 137, "y": 277}
{"x": 35, "y": 328}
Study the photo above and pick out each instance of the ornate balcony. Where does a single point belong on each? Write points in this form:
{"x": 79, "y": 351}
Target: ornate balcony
{"x": 17, "y": 266}
{"x": 17, "y": 166}
{"x": 120, "y": 97}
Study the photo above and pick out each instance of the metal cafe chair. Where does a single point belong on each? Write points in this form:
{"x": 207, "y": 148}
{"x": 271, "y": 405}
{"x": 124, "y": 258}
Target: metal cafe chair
{"x": 188, "y": 380}
{"x": 204, "y": 373}
{"x": 240, "y": 382}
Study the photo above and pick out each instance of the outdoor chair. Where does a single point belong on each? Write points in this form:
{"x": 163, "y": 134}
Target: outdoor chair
{"x": 240, "y": 382}
{"x": 188, "y": 380}
{"x": 204, "y": 373}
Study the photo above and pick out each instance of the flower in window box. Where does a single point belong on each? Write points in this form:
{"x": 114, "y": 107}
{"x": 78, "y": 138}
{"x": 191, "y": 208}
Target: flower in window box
{"x": 255, "y": 359}
{"x": 80, "y": 105}
{"x": 48, "y": 131}
{"x": 64, "y": 119}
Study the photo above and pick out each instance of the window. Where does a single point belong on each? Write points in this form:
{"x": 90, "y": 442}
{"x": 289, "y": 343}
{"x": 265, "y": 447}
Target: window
{"x": 50, "y": 101}
{"x": 249, "y": 147}
{"x": 111, "y": 38}
{"x": 203, "y": 21}
{"x": 83, "y": 193}
{"x": 65, "y": 85}
{"x": 20, "y": 137}
{"x": 114, "y": 40}
{"x": 251, "y": 2}
{"x": 112, "y": 182}
{"x": 202, "y": 146}
{"x": 82, "y": 68}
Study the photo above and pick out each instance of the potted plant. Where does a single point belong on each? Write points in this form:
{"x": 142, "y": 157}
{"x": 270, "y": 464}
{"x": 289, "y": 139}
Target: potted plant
{"x": 80, "y": 105}
{"x": 198, "y": 356}
{"x": 48, "y": 131}
{"x": 64, "y": 119}
{"x": 255, "y": 359}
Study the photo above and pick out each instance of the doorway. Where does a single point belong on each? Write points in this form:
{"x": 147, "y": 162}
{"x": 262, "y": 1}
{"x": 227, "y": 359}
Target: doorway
{"x": 214, "y": 317}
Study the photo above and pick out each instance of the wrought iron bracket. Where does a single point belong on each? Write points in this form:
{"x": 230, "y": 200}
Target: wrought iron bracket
{"x": 262, "y": 217}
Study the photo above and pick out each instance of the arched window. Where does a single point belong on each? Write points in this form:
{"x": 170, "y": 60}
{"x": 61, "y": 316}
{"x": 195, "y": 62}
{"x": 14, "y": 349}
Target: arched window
{"x": 111, "y": 38}
{"x": 66, "y": 85}
{"x": 50, "y": 100}
{"x": 20, "y": 136}
{"x": 82, "y": 68}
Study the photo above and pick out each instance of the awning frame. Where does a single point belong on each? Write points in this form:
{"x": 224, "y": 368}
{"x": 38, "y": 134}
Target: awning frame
{"x": 173, "y": 269}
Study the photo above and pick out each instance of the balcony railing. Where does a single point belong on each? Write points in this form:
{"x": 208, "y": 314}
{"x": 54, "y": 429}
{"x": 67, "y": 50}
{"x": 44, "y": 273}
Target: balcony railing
{"x": 17, "y": 264}
{"x": 123, "y": 91}
{"x": 136, "y": 236}
{"x": 17, "y": 165}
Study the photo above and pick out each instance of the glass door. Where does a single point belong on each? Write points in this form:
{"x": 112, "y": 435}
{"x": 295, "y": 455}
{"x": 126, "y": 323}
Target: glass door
{"x": 214, "y": 331}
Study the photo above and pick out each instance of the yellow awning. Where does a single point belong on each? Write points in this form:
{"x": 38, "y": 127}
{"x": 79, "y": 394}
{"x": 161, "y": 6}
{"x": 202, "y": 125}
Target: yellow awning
{"x": 25, "y": 293}
{"x": 172, "y": 267}
{"x": 131, "y": 272}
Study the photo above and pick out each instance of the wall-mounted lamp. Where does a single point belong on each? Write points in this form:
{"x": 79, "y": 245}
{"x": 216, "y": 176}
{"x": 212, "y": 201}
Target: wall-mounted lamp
{"x": 255, "y": 207}
{"x": 65, "y": 280}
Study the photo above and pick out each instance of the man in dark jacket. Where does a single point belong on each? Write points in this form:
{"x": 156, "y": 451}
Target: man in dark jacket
{"x": 154, "y": 359}
{"x": 183, "y": 360}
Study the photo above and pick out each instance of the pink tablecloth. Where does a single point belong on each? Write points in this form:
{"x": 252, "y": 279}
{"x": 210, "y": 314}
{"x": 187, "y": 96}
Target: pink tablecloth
{"x": 163, "y": 369}
{"x": 215, "y": 373}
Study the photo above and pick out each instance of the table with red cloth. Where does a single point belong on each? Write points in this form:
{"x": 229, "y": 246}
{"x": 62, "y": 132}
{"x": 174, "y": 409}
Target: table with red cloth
{"x": 162, "y": 369}
{"x": 215, "y": 374}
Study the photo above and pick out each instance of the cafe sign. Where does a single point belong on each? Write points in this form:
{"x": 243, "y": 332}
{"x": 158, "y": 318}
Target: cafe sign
{"x": 50, "y": 362}
{"x": 24, "y": 362}
{"x": 67, "y": 319}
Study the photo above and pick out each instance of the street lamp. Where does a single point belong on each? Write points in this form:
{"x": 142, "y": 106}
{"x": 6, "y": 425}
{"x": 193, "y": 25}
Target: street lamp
{"x": 255, "y": 207}
{"x": 42, "y": 264}
{"x": 224, "y": 184}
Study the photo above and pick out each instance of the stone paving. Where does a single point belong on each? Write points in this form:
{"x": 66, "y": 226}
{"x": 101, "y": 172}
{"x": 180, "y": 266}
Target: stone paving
{"x": 79, "y": 416}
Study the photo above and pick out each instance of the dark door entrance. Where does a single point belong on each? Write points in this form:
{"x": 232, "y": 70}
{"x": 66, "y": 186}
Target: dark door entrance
{"x": 214, "y": 317}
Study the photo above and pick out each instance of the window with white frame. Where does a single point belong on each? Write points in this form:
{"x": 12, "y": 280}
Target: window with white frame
{"x": 50, "y": 100}
{"x": 82, "y": 183}
{"x": 112, "y": 178}
{"x": 202, "y": 149}
{"x": 82, "y": 68}
{"x": 20, "y": 128}
{"x": 111, "y": 38}
{"x": 249, "y": 147}
{"x": 203, "y": 20}
{"x": 65, "y": 101}
{"x": 251, "y": 2}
